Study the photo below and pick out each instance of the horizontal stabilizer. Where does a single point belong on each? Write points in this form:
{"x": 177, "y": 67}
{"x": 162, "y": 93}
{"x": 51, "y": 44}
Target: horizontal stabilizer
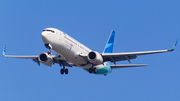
{"x": 124, "y": 66}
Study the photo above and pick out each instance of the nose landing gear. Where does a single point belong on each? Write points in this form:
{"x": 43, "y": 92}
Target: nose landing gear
{"x": 48, "y": 46}
{"x": 63, "y": 70}
{"x": 49, "y": 52}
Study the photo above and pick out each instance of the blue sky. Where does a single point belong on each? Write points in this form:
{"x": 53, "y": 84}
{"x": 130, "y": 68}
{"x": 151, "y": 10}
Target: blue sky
{"x": 140, "y": 25}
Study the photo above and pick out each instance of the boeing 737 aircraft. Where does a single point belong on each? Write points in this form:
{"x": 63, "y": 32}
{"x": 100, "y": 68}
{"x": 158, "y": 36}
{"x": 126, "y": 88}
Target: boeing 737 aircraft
{"x": 73, "y": 53}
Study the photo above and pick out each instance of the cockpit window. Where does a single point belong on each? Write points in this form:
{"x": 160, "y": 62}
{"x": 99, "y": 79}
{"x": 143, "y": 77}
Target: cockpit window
{"x": 49, "y": 30}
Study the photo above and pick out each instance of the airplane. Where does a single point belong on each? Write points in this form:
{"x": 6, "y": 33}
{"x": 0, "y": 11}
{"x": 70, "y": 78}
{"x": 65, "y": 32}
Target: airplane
{"x": 72, "y": 53}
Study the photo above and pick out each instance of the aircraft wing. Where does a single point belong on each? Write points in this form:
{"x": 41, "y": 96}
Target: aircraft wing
{"x": 113, "y": 57}
{"x": 125, "y": 66}
{"x": 23, "y": 57}
{"x": 128, "y": 55}
{"x": 56, "y": 58}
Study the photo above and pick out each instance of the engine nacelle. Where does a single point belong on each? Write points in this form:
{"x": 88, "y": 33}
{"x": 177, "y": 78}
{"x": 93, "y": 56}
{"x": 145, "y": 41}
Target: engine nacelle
{"x": 95, "y": 58}
{"x": 46, "y": 59}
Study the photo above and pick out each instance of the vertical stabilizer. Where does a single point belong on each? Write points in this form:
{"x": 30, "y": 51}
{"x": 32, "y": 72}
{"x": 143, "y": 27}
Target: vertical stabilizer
{"x": 109, "y": 45}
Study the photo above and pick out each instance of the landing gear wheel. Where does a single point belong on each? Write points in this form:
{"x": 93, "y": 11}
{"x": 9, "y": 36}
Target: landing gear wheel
{"x": 90, "y": 70}
{"x": 62, "y": 71}
{"x": 66, "y": 71}
{"x": 49, "y": 52}
{"x": 94, "y": 70}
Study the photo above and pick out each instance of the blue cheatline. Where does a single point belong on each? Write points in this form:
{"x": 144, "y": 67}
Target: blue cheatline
{"x": 110, "y": 43}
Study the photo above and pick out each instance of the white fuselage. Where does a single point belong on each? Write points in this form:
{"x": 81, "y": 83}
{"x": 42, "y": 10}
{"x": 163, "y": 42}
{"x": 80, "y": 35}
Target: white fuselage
{"x": 73, "y": 53}
{"x": 71, "y": 49}
{"x": 66, "y": 46}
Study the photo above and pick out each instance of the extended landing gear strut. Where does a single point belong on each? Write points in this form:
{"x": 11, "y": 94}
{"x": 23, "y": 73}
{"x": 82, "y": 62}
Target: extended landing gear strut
{"x": 64, "y": 70}
{"x": 49, "y": 52}
{"x": 48, "y": 46}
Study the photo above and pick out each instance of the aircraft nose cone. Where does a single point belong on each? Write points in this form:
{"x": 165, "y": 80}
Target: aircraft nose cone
{"x": 44, "y": 36}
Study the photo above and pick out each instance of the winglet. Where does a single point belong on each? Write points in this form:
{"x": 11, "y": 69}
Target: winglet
{"x": 173, "y": 46}
{"x": 109, "y": 45}
{"x": 4, "y": 50}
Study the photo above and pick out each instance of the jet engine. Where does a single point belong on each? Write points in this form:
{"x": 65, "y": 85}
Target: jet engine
{"x": 95, "y": 58}
{"x": 46, "y": 59}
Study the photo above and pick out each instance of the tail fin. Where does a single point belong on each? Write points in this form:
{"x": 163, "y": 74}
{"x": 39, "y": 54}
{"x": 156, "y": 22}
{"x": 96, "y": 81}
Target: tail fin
{"x": 109, "y": 45}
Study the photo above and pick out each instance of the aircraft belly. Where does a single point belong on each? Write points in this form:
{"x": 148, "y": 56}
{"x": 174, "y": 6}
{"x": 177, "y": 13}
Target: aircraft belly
{"x": 79, "y": 61}
{"x": 70, "y": 54}
{"x": 67, "y": 49}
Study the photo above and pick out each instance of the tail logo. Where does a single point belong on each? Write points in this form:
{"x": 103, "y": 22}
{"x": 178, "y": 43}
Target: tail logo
{"x": 110, "y": 43}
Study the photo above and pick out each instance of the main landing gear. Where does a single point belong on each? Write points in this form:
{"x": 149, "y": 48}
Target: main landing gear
{"x": 92, "y": 70}
{"x": 64, "y": 70}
